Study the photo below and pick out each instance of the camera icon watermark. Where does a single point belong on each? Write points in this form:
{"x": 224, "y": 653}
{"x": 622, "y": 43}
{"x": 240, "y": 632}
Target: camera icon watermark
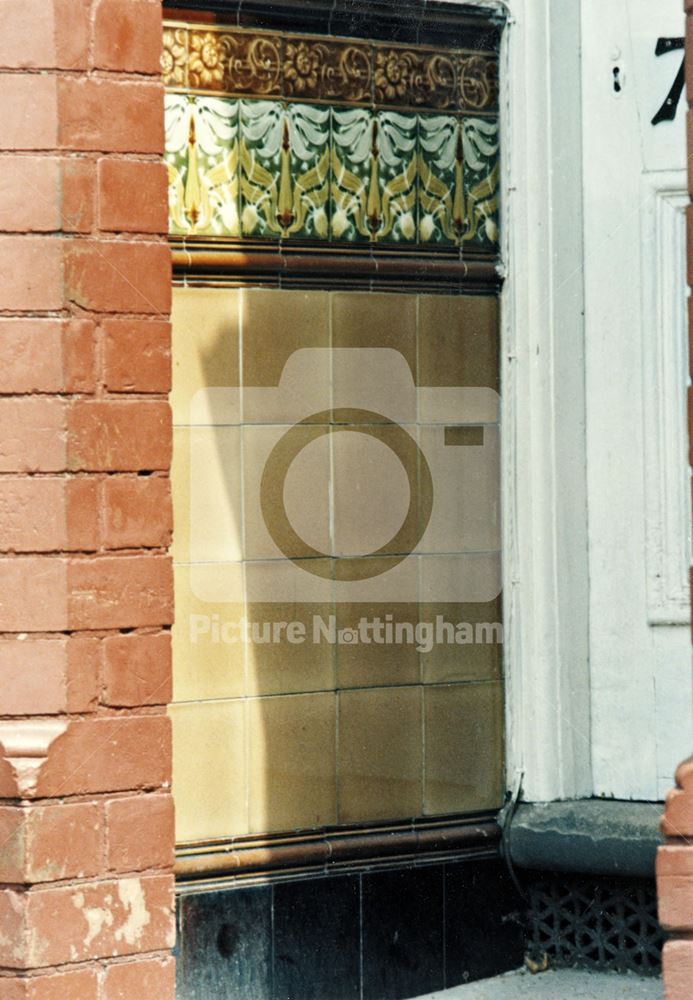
{"x": 346, "y": 482}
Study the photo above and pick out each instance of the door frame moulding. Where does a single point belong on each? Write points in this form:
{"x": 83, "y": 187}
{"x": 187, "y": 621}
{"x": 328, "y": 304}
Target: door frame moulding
{"x": 546, "y": 580}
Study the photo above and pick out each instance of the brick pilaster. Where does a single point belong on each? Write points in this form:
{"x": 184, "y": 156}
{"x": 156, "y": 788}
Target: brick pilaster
{"x": 86, "y": 815}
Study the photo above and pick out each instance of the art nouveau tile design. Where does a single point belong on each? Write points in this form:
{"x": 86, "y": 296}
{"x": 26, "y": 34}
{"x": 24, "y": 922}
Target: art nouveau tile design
{"x": 330, "y": 140}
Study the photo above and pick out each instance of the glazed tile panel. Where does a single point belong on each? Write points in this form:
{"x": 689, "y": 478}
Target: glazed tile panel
{"x": 334, "y": 142}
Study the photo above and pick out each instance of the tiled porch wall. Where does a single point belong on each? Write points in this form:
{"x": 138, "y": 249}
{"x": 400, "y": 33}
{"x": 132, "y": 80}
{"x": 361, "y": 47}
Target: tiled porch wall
{"x": 280, "y": 737}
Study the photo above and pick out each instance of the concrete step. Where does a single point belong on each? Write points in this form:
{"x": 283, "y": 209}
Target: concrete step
{"x": 556, "y": 984}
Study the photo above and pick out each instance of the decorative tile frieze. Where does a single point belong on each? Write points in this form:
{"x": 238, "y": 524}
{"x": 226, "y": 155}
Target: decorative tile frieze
{"x": 272, "y": 169}
{"x": 234, "y": 62}
{"x": 277, "y": 137}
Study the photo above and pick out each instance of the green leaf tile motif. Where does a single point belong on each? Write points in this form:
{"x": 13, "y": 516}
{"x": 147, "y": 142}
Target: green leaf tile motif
{"x": 263, "y": 167}
{"x": 374, "y": 182}
{"x": 202, "y": 158}
{"x": 285, "y": 162}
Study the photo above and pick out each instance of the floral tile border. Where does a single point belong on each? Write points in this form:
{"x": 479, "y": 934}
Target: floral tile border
{"x": 270, "y": 168}
{"x": 237, "y": 62}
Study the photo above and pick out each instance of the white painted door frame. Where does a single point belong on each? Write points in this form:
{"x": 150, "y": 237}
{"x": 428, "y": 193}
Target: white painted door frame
{"x": 544, "y": 465}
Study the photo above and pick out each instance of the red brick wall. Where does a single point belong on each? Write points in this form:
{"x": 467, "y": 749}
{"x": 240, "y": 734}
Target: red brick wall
{"x": 86, "y": 815}
{"x": 675, "y": 859}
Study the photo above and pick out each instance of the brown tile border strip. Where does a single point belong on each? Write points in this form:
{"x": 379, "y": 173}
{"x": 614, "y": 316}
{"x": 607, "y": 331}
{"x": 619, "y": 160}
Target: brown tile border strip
{"x": 233, "y": 266}
{"x": 418, "y": 840}
{"x": 235, "y": 62}
{"x": 439, "y": 23}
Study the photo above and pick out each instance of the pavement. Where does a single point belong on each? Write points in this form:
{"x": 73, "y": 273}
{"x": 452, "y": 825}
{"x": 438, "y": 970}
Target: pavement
{"x": 556, "y": 984}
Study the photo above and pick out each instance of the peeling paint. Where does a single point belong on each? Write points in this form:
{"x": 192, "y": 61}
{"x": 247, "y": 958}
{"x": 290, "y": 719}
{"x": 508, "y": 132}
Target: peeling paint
{"x": 132, "y": 897}
{"x": 96, "y": 917}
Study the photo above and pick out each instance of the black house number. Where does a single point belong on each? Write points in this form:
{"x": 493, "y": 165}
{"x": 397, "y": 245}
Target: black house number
{"x": 668, "y": 110}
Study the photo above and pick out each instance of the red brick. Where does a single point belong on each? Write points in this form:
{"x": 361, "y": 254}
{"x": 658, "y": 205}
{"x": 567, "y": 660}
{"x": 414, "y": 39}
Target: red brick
{"x": 72, "y": 22}
{"x": 140, "y": 833}
{"x": 108, "y": 592}
{"x": 31, "y": 350}
{"x": 133, "y": 195}
{"x": 46, "y": 355}
{"x": 137, "y": 512}
{"x": 13, "y": 988}
{"x": 684, "y": 775}
{"x": 32, "y": 514}
{"x": 137, "y": 670}
{"x": 120, "y": 436}
{"x": 48, "y": 676}
{"x": 77, "y": 195}
{"x": 81, "y": 984}
{"x": 677, "y": 969}
{"x": 30, "y": 111}
{"x": 678, "y": 815}
{"x": 114, "y": 276}
{"x": 81, "y": 515}
{"x": 109, "y": 116}
{"x": 78, "y": 356}
{"x": 27, "y": 37}
{"x": 33, "y": 677}
{"x": 117, "y": 753}
{"x": 96, "y": 920}
{"x": 127, "y": 36}
{"x": 137, "y": 355}
{"x": 152, "y": 979}
{"x": 675, "y": 902}
{"x": 48, "y": 514}
{"x": 46, "y": 194}
{"x": 12, "y": 845}
{"x": 13, "y": 923}
{"x": 33, "y": 434}
{"x": 33, "y": 594}
{"x": 83, "y": 668}
{"x": 32, "y": 271}
{"x": 63, "y": 842}
{"x": 29, "y": 191}
{"x": 44, "y": 34}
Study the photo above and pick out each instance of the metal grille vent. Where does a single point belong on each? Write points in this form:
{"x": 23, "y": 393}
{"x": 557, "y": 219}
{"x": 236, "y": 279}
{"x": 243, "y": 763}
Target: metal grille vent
{"x": 603, "y": 924}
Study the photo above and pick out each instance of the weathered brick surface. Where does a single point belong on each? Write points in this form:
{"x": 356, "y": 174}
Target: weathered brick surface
{"x": 137, "y": 669}
{"x": 32, "y": 270}
{"x": 119, "y": 436}
{"x": 139, "y": 833}
{"x": 30, "y": 118}
{"x": 85, "y": 343}
{"x": 127, "y": 35}
{"x": 113, "y": 592}
{"x": 108, "y": 755}
{"x": 47, "y": 356}
{"x": 56, "y": 925}
{"x": 137, "y": 512}
{"x": 49, "y": 676}
{"x": 33, "y": 594}
{"x": 137, "y": 355}
{"x": 678, "y": 970}
{"x": 132, "y": 194}
{"x": 79, "y": 984}
{"x": 48, "y": 843}
{"x": 156, "y": 980}
{"x": 116, "y": 116}
{"x": 117, "y": 276}
{"x": 44, "y": 34}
